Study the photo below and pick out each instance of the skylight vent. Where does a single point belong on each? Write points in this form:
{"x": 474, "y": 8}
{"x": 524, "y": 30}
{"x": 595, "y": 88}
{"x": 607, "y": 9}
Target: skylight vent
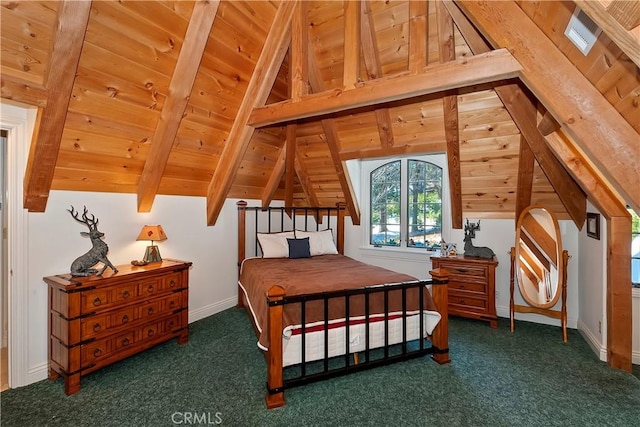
{"x": 582, "y": 31}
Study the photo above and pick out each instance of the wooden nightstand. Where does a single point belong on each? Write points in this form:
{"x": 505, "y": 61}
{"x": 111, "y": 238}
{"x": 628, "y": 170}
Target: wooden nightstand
{"x": 472, "y": 286}
{"x": 98, "y": 320}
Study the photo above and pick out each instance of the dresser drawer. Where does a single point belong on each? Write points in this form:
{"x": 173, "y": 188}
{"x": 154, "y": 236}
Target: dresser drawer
{"x": 108, "y": 323}
{"x": 466, "y": 302}
{"x": 105, "y": 298}
{"x": 465, "y": 273}
{"x": 95, "y": 351}
{"x": 169, "y": 283}
{"x": 480, "y": 288}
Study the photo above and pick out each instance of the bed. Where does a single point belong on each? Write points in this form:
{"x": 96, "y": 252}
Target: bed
{"x": 318, "y": 313}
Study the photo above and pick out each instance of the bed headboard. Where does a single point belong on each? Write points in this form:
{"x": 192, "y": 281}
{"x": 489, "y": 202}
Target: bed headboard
{"x": 254, "y": 219}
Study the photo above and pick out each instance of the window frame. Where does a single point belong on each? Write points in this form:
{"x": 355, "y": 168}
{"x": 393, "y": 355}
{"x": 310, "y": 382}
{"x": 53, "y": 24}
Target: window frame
{"x": 369, "y": 165}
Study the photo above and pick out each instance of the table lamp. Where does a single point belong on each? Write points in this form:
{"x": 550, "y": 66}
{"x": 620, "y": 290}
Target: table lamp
{"x": 153, "y": 233}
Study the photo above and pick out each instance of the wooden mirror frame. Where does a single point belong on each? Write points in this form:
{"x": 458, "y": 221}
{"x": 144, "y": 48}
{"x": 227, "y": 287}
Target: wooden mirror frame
{"x": 560, "y": 257}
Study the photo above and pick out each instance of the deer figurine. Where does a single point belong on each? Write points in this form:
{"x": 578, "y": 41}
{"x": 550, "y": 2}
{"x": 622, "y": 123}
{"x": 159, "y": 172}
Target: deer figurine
{"x": 98, "y": 253}
{"x": 469, "y": 249}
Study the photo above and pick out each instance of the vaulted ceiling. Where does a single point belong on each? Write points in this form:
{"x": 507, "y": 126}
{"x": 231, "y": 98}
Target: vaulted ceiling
{"x": 268, "y": 100}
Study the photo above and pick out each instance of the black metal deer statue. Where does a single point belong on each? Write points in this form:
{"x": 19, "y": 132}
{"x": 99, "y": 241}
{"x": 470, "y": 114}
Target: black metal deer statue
{"x": 469, "y": 249}
{"x": 82, "y": 266}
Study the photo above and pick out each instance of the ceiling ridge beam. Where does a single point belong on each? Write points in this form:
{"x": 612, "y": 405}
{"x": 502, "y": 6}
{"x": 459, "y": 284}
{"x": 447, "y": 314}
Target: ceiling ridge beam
{"x": 184, "y": 76}
{"x": 262, "y": 79}
{"x": 600, "y": 131}
{"x": 71, "y": 28}
{"x": 485, "y": 68}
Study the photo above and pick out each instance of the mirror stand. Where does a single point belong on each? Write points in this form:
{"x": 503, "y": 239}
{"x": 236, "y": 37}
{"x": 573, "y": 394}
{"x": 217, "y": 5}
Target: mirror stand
{"x": 558, "y": 314}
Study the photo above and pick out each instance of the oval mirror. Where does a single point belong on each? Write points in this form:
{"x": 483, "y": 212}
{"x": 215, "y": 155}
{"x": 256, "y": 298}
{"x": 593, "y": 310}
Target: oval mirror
{"x": 538, "y": 257}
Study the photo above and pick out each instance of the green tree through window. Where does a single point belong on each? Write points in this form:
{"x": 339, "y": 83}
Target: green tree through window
{"x": 406, "y": 203}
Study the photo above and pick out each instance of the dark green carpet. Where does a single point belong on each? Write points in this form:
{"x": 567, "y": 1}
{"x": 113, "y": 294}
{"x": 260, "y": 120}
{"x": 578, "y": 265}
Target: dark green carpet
{"x": 529, "y": 378}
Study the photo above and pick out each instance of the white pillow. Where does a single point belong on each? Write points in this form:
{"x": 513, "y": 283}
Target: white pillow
{"x": 275, "y": 245}
{"x": 320, "y": 242}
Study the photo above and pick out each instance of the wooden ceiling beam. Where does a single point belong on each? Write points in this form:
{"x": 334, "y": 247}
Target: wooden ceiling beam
{"x": 372, "y": 63}
{"x": 447, "y": 48}
{"x": 258, "y": 89}
{"x": 289, "y": 168}
{"x": 184, "y": 76}
{"x": 333, "y": 143}
{"x": 269, "y": 191}
{"x": 523, "y": 113}
{"x": 71, "y": 27}
{"x": 490, "y": 67}
{"x": 626, "y": 12}
{"x": 418, "y": 35}
{"x": 299, "y": 52}
{"x": 305, "y": 181}
{"x": 524, "y": 188}
{"x": 607, "y": 138}
{"x": 351, "y": 73}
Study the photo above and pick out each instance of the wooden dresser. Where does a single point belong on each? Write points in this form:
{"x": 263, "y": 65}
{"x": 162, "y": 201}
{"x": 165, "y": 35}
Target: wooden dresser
{"x": 472, "y": 286}
{"x": 98, "y": 320}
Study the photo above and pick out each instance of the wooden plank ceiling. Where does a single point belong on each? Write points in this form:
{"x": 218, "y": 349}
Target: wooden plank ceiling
{"x": 273, "y": 102}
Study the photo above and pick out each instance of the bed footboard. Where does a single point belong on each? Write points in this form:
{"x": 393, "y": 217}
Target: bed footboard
{"x": 277, "y": 299}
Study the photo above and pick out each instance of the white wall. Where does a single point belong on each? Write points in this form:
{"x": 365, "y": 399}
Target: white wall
{"x": 499, "y": 235}
{"x": 55, "y": 241}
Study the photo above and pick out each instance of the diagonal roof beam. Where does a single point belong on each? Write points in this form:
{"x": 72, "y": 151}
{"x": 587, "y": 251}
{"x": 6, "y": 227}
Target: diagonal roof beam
{"x": 184, "y": 75}
{"x": 71, "y": 27}
{"x": 277, "y": 172}
{"x": 584, "y": 114}
{"x": 489, "y": 67}
{"x": 262, "y": 79}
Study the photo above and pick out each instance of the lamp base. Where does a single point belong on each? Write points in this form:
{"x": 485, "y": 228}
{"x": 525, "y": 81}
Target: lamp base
{"x": 152, "y": 254}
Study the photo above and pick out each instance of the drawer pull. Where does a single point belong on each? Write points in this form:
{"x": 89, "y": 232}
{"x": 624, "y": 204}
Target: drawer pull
{"x": 461, "y": 270}
{"x": 150, "y": 310}
{"x": 97, "y": 327}
{"x": 150, "y": 333}
{"x": 172, "y": 283}
{"x": 171, "y": 324}
{"x": 97, "y": 301}
{"x": 172, "y": 304}
{"x": 126, "y": 294}
{"x": 125, "y": 318}
{"x": 97, "y": 352}
{"x": 125, "y": 341}
{"x": 150, "y": 288}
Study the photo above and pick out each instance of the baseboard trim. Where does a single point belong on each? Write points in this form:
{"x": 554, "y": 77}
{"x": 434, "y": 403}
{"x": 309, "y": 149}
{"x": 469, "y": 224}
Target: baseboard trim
{"x": 211, "y": 309}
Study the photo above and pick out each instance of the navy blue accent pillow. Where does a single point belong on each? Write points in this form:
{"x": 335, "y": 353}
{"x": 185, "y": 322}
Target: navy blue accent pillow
{"x": 299, "y": 248}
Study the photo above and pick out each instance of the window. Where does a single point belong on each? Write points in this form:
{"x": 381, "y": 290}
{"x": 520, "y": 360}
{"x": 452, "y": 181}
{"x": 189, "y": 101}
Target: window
{"x": 405, "y": 202}
{"x": 635, "y": 249}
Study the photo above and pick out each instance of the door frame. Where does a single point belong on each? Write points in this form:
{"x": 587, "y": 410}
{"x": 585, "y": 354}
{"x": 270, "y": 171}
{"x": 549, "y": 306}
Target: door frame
{"x": 18, "y": 121}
